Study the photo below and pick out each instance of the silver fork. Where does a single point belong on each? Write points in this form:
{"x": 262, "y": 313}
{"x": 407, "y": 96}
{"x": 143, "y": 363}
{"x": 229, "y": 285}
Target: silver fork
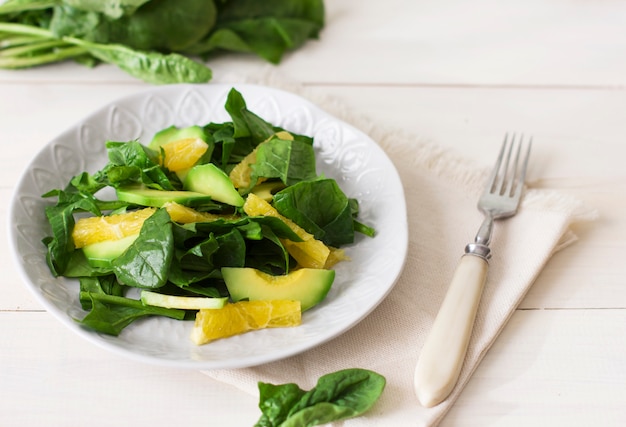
{"x": 442, "y": 356}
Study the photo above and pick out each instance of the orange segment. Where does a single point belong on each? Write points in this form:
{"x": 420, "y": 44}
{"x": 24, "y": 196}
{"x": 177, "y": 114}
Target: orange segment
{"x": 183, "y": 153}
{"x": 241, "y": 174}
{"x": 109, "y": 227}
{"x": 240, "y": 317}
{"x": 185, "y": 215}
{"x": 309, "y": 253}
{"x": 335, "y": 256}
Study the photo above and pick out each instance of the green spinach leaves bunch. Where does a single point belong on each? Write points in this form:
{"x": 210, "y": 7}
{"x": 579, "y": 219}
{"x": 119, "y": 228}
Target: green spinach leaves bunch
{"x": 158, "y": 41}
{"x": 339, "y": 395}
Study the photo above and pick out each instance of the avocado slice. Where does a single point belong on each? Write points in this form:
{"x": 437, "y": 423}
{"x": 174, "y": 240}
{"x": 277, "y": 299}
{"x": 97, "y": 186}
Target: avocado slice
{"x": 211, "y": 180}
{"x": 144, "y": 196}
{"x": 266, "y": 190}
{"x": 181, "y": 302}
{"x": 101, "y": 254}
{"x": 307, "y": 285}
{"x": 174, "y": 133}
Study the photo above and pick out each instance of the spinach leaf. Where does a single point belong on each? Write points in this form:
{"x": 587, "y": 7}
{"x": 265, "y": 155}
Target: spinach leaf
{"x": 204, "y": 247}
{"x": 343, "y": 394}
{"x": 151, "y": 67}
{"x": 248, "y": 129}
{"x": 290, "y": 161}
{"x": 269, "y": 254}
{"x": 225, "y": 144}
{"x": 109, "y": 311}
{"x": 60, "y": 216}
{"x": 235, "y": 105}
{"x": 267, "y": 29}
{"x": 234, "y": 140}
{"x": 145, "y": 264}
{"x": 110, "y": 314}
{"x": 276, "y": 401}
{"x": 131, "y": 162}
{"x": 100, "y": 285}
{"x": 73, "y": 22}
{"x": 207, "y": 257}
{"x": 231, "y": 251}
{"x": 199, "y": 257}
{"x": 321, "y": 208}
{"x": 60, "y": 245}
{"x": 79, "y": 267}
{"x": 111, "y": 8}
{"x": 157, "y": 25}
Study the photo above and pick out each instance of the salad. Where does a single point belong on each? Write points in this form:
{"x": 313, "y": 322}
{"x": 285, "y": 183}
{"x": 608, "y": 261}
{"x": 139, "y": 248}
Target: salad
{"x": 202, "y": 218}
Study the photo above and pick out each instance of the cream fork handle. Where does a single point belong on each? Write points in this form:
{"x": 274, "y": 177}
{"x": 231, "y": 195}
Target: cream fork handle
{"x": 443, "y": 353}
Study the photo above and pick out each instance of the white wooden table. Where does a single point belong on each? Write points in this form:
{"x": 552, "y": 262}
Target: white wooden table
{"x": 458, "y": 73}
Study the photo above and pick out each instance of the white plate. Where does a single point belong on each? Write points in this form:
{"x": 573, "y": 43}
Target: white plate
{"x": 357, "y": 163}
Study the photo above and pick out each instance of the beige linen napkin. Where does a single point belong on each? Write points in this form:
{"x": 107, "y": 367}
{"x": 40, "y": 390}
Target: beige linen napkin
{"x": 441, "y": 193}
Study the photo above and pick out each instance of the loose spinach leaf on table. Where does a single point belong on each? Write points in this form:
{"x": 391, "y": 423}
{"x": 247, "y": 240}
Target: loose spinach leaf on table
{"x": 268, "y": 28}
{"x": 150, "y": 66}
{"x": 343, "y": 394}
{"x": 158, "y": 25}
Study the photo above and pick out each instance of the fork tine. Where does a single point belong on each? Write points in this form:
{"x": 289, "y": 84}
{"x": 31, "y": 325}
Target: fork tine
{"x": 504, "y": 172}
{"x": 522, "y": 173}
{"x": 506, "y": 178}
{"x": 511, "y": 174}
{"x": 491, "y": 187}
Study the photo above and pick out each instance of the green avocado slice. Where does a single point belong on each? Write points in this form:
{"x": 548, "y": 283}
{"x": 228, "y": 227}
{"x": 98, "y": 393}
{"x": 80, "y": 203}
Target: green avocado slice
{"x": 307, "y": 285}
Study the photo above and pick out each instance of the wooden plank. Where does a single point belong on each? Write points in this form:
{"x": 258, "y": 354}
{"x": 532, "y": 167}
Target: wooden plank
{"x": 549, "y": 368}
{"x": 544, "y": 370}
{"x": 52, "y": 377}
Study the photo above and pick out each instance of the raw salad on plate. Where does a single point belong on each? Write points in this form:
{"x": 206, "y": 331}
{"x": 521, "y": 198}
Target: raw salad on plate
{"x": 358, "y": 164}
{"x": 226, "y": 223}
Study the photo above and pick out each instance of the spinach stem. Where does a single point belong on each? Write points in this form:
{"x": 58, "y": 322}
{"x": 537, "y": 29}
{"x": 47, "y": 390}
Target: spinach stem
{"x": 27, "y": 41}
{"x": 36, "y": 46}
{"x": 9, "y": 27}
{"x": 10, "y": 40}
{"x": 29, "y": 61}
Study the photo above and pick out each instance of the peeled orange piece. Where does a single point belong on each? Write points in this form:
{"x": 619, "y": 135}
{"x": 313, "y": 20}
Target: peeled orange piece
{"x": 185, "y": 215}
{"x": 335, "y": 256}
{"x": 241, "y": 174}
{"x": 183, "y": 153}
{"x": 109, "y": 227}
{"x": 309, "y": 253}
{"x": 243, "y": 316}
